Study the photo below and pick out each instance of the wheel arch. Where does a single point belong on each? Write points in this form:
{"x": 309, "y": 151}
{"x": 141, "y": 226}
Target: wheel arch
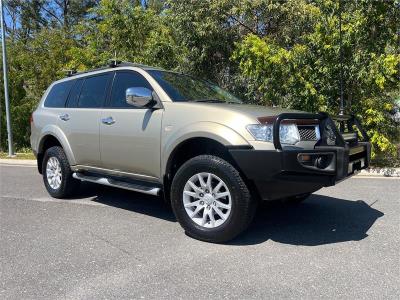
{"x": 53, "y": 137}
{"x": 207, "y": 131}
{"x": 190, "y": 148}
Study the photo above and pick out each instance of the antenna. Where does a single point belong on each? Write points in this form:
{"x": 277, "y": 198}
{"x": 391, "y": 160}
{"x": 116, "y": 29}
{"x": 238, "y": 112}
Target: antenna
{"x": 341, "y": 110}
{"x": 114, "y": 62}
{"x": 70, "y": 73}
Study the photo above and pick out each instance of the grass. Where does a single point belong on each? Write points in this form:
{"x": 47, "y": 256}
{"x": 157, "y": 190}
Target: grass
{"x": 18, "y": 155}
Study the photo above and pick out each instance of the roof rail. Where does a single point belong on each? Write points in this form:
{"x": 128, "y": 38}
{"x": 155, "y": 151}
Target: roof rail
{"x": 130, "y": 64}
{"x": 112, "y": 64}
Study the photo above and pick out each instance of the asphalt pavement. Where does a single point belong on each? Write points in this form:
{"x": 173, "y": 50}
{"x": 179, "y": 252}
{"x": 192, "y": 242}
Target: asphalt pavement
{"x": 341, "y": 243}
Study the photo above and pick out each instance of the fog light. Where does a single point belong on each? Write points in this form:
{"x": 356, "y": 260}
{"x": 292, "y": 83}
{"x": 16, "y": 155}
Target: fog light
{"x": 322, "y": 161}
{"x": 304, "y": 157}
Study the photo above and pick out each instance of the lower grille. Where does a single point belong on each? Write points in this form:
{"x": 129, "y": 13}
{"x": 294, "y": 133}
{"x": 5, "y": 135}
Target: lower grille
{"x": 308, "y": 132}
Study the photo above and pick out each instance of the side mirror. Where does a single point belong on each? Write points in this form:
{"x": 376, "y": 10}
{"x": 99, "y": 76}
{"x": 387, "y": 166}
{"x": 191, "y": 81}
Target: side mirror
{"x": 138, "y": 96}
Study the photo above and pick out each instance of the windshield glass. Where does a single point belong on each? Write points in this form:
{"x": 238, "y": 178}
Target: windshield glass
{"x": 180, "y": 87}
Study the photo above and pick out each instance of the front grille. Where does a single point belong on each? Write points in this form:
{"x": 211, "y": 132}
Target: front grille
{"x": 308, "y": 132}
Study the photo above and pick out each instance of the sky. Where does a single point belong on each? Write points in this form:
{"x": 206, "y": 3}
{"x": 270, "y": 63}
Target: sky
{"x": 7, "y": 18}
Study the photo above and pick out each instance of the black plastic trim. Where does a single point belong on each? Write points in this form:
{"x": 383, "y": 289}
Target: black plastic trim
{"x": 129, "y": 180}
{"x": 268, "y": 169}
{"x": 280, "y": 173}
{"x": 238, "y": 147}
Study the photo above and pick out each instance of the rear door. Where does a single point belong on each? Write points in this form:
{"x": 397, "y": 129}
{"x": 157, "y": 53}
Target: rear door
{"x": 81, "y": 117}
{"x": 130, "y": 141}
{"x": 54, "y": 104}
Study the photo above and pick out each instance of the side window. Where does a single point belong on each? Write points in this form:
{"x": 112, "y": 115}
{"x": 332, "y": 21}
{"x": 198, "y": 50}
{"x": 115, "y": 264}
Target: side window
{"x": 58, "y": 94}
{"x": 74, "y": 94}
{"x": 93, "y": 91}
{"x": 123, "y": 81}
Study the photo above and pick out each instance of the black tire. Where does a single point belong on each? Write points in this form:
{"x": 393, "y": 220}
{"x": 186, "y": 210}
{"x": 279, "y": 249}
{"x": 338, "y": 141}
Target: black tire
{"x": 243, "y": 206}
{"x": 69, "y": 185}
{"x": 297, "y": 199}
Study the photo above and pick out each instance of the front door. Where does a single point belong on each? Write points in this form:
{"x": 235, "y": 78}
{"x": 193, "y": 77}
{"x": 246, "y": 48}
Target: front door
{"x": 129, "y": 136}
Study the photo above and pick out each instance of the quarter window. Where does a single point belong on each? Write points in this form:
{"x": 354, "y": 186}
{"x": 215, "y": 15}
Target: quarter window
{"x": 58, "y": 94}
{"x": 93, "y": 91}
{"x": 123, "y": 81}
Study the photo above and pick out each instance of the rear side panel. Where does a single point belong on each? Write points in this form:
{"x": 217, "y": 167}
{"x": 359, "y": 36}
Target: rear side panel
{"x": 40, "y": 126}
{"x": 42, "y": 117}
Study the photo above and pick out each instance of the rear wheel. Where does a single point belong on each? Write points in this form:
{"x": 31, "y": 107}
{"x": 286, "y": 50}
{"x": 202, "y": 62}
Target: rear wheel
{"x": 57, "y": 174}
{"x": 210, "y": 199}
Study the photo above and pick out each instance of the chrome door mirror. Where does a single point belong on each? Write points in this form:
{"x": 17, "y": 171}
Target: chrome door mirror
{"x": 138, "y": 96}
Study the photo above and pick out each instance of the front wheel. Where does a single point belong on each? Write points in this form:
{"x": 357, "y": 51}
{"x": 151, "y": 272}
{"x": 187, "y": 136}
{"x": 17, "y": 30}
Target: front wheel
{"x": 210, "y": 199}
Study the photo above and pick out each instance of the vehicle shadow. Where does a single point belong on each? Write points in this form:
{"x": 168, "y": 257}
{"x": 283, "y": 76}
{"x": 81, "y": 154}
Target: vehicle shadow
{"x": 128, "y": 200}
{"x": 318, "y": 220}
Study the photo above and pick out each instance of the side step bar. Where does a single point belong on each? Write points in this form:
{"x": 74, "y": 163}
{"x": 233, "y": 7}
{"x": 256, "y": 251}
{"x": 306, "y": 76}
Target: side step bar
{"x": 119, "y": 184}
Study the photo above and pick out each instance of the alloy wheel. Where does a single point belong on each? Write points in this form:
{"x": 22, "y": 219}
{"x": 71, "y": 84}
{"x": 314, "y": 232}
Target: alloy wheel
{"x": 54, "y": 173}
{"x": 207, "y": 200}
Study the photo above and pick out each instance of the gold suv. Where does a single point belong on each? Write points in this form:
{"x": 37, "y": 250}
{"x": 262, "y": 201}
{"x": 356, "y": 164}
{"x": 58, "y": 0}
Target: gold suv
{"x": 165, "y": 133}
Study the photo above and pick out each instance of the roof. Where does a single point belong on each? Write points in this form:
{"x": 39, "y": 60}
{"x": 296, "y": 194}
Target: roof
{"x": 113, "y": 64}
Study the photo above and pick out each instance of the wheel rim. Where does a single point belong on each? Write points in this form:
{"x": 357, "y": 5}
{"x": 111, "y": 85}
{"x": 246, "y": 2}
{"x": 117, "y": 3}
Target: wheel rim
{"x": 207, "y": 200}
{"x": 53, "y": 173}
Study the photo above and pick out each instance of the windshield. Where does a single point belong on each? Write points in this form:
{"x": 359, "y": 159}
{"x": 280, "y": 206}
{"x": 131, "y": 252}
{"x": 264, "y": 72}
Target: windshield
{"x": 180, "y": 87}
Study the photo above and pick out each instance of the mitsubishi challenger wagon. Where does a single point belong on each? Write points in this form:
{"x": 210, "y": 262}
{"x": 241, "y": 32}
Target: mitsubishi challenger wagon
{"x": 212, "y": 157}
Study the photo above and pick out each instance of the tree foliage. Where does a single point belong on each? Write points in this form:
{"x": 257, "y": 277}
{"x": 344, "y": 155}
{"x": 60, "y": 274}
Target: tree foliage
{"x": 303, "y": 71}
{"x": 269, "y": 52}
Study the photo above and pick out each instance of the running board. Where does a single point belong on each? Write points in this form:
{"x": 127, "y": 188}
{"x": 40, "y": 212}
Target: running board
{"x": 119, "y": 184}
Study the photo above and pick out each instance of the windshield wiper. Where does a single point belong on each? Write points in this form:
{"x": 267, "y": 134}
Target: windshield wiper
{"x": 216, "y": 101}
{"x": 210, "y": 100}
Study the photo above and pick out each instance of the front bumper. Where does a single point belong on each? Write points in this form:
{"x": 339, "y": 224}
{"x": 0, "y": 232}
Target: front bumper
{"x": 289, "y": 171}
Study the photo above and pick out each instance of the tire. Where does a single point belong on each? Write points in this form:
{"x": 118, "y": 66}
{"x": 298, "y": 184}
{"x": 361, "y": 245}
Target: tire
{"x": 297, "y": 199}
{"x": 228, "y": 222}
{"x": 67, "y": 185}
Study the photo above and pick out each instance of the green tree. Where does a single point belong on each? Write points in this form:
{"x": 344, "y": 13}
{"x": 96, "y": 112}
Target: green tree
{"x": 303, "y": 71}
{"x": 269, "y": 52}
{"x": 123, "y": 30}
{"x": 37, "y": 54}
{"x": 33, "y": 65}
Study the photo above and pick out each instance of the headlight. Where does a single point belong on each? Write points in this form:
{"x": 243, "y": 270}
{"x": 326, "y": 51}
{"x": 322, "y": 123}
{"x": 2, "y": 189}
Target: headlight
{"x": 288, "y": 133}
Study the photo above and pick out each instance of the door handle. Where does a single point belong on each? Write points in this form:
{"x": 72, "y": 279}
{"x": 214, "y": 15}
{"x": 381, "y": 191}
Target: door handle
{"x": 64, "y": 117}
{"x": 108, "y": 121}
